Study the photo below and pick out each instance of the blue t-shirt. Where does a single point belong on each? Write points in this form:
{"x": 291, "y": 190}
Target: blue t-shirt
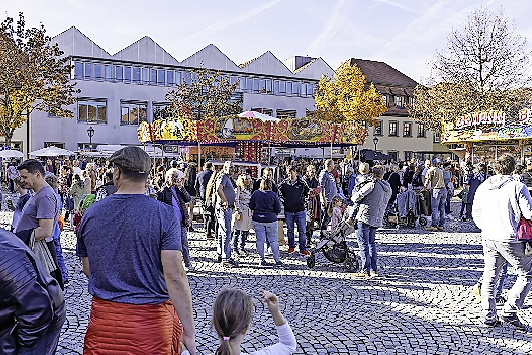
{"x": 123, "y": 235}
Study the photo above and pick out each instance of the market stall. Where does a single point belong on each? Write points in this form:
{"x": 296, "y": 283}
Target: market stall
{"x": 489, "y": 134}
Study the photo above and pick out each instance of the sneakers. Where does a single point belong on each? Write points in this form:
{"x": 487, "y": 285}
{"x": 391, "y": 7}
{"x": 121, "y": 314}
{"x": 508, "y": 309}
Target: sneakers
{"x": 278, "y": 264}
{"x": 290, "y": 250}
{"x": 431, "y": 229}
{"x": 191, "y": 268}
{"x": 476, "y": 292}
{"x": 231, "y": 263}
{"x": 440, "y": 228}
{"x": 514, "y": 320}
{"x": 305, "y": 252}
{"x": 264, "y": 263}
{"x": 500, "y": 301}
{"x": 360, "y": 275}
{"x": 219, "y": 259}
{"x": 492, "y": 321}
{"x": 373, "y": 273}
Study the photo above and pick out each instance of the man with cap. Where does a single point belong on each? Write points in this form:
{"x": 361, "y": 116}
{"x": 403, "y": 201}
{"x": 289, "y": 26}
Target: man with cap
{"x": 436, "y": 184}
{"x": 130, "y": 245}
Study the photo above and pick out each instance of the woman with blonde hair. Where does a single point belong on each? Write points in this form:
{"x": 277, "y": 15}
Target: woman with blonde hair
{"x": 242, "y": 212}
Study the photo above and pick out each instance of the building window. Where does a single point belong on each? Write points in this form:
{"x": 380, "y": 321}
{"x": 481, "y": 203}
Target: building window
{"x": 108, "y": 73}
{"x": 399, "y": 101}
{"x": 54, "y": 144}
{"x": 119, "y": 73}
{"x": 170, "y": 77}
{"x": 385, "y": 98}
{"x": 78, "y": 70}
{"x": 133, "y": 112}
{"x": 288, "y": 88}
{"x": 266, "y": 111}
{"x": 127, "y": 75}
{"x": 285, "y": 113}
{"x": 268, "y": 86}
{"x": 161, "y": 110}
{"x": 407, "y": 129}
{"x": 436, "y": 138}
{"x": 92, "y": 111}
{"x": 276, "y": 87}
{"x": 98, "y": 74}
{"x": 282, "y": 87}
{"x": 256, "y": 85}
{"x": 394, "y": 154}
{"x": 178, "y": 78}
{"x": 296, "y": 89}
{"x": 411, "y": 100}
{"x": 393, "y": 128}
{"x": 421, "y": 133}
{"x": 88, "y": 71}
{"x": 364, "y": 124}
{"x": 310, "y": 90}
{"x": 377, "y": 130}
{"x": 160, "y": 77}
{"x": 408, "y": 156}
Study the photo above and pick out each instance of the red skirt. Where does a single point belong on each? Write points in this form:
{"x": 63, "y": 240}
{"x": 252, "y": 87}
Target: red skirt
{"x": 130, "y": 329}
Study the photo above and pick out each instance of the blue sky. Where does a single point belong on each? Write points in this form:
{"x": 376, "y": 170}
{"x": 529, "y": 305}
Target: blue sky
{"x": 402, "y": 33}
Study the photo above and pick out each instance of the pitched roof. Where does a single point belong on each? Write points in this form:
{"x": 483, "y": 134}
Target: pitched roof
{"x": 73, "y": 42}
{"x": 382, "y": 73}
{"x": 267, "y": 64}
{"x": 314, "y": 69}
{"x": 146, "y": 50}
{"x": 210, "y": 57}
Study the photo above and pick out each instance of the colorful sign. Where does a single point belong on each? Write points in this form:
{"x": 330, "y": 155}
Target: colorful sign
{"x": 480, "y": 118}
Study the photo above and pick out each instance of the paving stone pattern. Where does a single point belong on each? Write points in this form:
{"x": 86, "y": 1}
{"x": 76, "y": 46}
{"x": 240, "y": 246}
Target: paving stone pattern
{"x": 421, "y": 303}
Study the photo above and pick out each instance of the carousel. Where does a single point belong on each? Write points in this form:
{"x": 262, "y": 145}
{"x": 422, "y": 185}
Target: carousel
{"x": 484, "y": 136}
{"x": 243, "y": 136}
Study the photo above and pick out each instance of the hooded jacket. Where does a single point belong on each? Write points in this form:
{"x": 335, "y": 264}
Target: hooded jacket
{"x": 499, "y": 203}
{"x": 373, "y": 198}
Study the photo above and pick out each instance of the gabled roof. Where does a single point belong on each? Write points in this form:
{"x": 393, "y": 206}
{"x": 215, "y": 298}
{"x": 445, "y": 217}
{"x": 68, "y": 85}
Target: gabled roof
{"x": 267, "y": 64}
{"x": 73, "y": 42}
{"x": 382, "y": 73}
{"x": 314, "y": 69}
{"x": 212, "y": 58}
{"x": 146, "y": 50}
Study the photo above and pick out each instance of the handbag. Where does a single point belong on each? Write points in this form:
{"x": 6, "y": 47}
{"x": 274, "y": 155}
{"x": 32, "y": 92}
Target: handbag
{"x": 524, "y": 229}
{"x": 42, "y": 253}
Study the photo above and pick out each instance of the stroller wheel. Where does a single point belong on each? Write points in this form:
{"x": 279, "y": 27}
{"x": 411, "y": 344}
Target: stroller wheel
{"x": 422, "y": 221}
{"x": 311, "y": 261}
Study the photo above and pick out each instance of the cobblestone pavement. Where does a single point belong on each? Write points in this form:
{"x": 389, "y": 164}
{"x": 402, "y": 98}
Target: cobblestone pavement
{"x": 421, "y": 303}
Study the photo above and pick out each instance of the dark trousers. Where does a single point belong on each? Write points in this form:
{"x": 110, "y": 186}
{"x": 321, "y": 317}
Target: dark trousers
{"x": 208, "y": 223}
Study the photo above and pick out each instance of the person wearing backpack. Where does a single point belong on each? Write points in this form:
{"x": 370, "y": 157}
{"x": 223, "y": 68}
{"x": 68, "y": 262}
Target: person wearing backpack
{"x": 498, "y": 206}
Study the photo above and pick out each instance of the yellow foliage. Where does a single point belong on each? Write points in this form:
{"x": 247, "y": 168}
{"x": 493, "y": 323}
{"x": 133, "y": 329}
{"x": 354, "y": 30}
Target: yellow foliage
{"x": 346, "y": 97}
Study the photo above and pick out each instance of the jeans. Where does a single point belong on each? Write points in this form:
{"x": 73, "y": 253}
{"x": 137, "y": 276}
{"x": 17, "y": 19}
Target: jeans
{"x": 267, "y": 231}
{"x": 47, "y": 344}
{"x": 368, "y": 251}
{"x": 300, "y": 219}
{"x": 500, "y": 284}
{"x": 448, "y": 203}
{"x": 60, "y": 259}
{"x": 438, "y": 197}
{"x": 184, "y": 246}
{"x": 224, "y": 217}
{"x": 242, "y": 235}
{"x": 496, "y": 254}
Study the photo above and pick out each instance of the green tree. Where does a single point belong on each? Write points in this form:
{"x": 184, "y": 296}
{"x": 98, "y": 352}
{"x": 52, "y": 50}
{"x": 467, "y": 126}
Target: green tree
{"x": 203, "y": 94}
{"x": 34, "y": 75}
{"x": 347, "y": 97}
{"x": 485, "y": 66}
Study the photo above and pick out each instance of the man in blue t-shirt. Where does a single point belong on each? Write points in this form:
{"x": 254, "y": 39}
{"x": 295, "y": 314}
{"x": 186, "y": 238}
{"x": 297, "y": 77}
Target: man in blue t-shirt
{"x": 130, "y": 245}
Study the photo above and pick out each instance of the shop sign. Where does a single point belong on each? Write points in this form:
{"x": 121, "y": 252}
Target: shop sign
{"x": 525, "y": 115}
{"x": 481, "y": 118}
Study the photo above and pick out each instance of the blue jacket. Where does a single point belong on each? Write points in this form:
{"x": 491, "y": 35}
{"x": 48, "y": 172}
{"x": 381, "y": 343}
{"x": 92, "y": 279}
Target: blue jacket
{"x": 265, "y": 205}
{"x": 351, "y": 184}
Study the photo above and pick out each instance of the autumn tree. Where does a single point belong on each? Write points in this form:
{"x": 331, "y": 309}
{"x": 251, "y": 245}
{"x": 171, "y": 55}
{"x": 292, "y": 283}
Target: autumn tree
{"x": 203, "y": 93}
{"x": 347, "y": 97}
{"x": 34, "y": 75}
{"x": 485, "y": 66}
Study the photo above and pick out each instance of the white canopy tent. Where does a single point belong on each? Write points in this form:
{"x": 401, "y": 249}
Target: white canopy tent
{"x": 10, "y": 153}
{"x": 51, "y": 152}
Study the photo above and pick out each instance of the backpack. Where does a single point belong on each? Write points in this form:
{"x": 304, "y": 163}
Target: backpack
{"x": 416, "y": 180}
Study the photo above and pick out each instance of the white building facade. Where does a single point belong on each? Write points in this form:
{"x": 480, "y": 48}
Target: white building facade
{"x": 121, "y": 90}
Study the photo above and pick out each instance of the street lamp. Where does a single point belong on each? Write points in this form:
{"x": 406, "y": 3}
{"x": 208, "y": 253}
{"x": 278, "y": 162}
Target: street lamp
{"x": 375, "y": 141}
{"x": 90, "y": 132}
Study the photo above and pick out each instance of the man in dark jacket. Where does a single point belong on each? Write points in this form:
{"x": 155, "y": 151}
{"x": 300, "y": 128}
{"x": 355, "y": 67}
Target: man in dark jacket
{"x": 32, "y": 307}
{"x": 294, "y": 194}
{"x": 202, "y": 180}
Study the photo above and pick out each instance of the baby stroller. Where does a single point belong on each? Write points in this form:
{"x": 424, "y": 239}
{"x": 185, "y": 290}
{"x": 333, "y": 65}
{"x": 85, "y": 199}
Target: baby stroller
{"x": 423, "y": 207}
{"x": 334, "y": 247}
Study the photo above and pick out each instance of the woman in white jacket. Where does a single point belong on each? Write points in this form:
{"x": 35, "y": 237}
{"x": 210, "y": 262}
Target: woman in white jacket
{"x": 242, "y": 213}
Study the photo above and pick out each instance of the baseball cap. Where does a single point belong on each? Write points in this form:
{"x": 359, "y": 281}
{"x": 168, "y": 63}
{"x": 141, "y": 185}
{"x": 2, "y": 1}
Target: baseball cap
{"x": 436, "y": 161}
{"x": 132, "y": 159}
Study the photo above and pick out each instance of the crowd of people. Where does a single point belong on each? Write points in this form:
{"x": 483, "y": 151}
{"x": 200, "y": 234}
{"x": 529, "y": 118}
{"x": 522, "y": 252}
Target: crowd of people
{"x": 132, "y": 221}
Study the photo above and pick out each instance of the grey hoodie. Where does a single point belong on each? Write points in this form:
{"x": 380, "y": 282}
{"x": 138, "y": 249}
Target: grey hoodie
{"x": 373, "y": 198}
{"x": 498, "y": 205}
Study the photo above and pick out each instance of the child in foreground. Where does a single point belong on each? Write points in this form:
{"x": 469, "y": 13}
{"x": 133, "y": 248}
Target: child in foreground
{"x": 232, "y": 316}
